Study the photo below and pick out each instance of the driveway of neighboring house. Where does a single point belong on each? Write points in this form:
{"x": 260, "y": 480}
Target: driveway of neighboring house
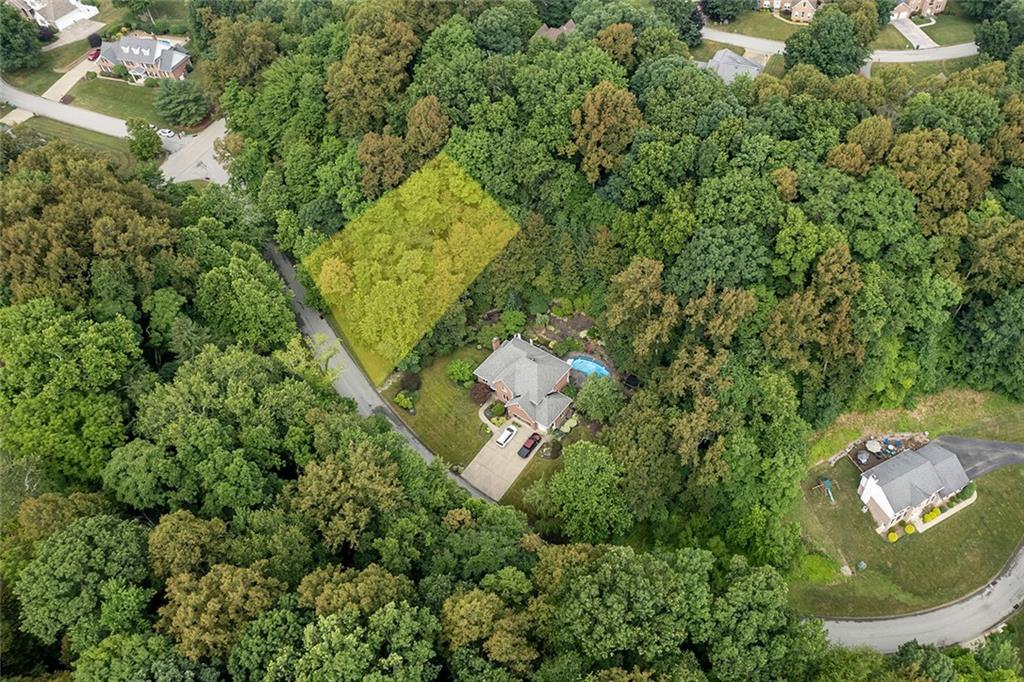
{"x": 980, "y": 457}
{"x": 495, "y": 469}
{"x": 912, "y": 32}
{"x": 195, "y": 160}
{"x": 76, "y": 31}
{"x": 68, "y": 80}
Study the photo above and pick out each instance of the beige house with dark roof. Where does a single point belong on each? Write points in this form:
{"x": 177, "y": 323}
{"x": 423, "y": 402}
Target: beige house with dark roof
{"x": 902, "y": 488}
{"x": 528, "y": 380}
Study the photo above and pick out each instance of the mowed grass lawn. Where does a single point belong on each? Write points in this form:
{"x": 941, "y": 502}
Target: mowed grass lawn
{"x": 708, "y": 49}
{"x": 961, "y": 412}
{"x": 950, "y": 29}
{"x": 87, "y": 139}
{"x": 117, "y": 98}
{"x": 758, "y": 24}
{"x": 952, "y": 559}
{"x": 52, "y": 65}
{"x": 889, "y": 39}
{"x": 446, "y": 417}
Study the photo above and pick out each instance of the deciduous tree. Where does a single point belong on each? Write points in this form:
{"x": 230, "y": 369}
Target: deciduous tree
{"x": 604, "y": 128}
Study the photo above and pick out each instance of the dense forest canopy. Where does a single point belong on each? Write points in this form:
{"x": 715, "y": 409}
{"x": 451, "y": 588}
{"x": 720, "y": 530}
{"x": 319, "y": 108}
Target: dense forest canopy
{"x": 187, "y": 498}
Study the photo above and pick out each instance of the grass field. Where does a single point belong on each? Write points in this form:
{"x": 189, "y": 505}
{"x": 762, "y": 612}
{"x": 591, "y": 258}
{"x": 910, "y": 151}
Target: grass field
{"x": 446, "y": 417}
{"x": 758, "y": 24}
{"x": 169, "y": 10}
{"x": 889, "y": 39}
{"x": 950, "y": 560}
{"x": 93, "y": 141}
{"x": 965, "y": 413}
{"x": 708, "y": 48}
{"x": 117, "y": 98}
{"x": 922, "y": 71}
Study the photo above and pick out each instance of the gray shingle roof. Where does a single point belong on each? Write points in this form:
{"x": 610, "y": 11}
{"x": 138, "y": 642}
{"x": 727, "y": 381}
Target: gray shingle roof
{"x": 143, "y": 51}
{"x": 910, "y": 478}
{"x": 531, "y": 373}
{"x": 729, "y": 65}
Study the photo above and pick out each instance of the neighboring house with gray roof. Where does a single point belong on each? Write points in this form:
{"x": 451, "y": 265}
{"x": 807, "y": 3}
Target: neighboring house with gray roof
{"x": 145, "y": 58}
{"x": 528, "y": 380}
{"x": 58, "y": 14}
{"x": 902, "y": 488}
{"x": 728, "y": 65}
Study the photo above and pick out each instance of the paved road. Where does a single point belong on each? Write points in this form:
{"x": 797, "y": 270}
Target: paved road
{"x": 891, "y": 56}
{"x": 351, "y": 381}
{"x": 83, "y": 118}
{"x": 979, "y": 457}
{"x": 972, "y": 616}
{"x": 191, "y": 158}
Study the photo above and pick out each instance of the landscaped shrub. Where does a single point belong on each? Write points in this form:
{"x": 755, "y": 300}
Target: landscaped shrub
{"x": 460, "y": 371}
{"x": 496, "y": 410}
{"x": 480, "y": 393}
{"x": 94, "y": 40}
{"x": 410, "y": 382}
{"x": 91, "y": 75}
{"x": 909, "y": 529}
{"x": 46, "y": 34}
{"x": 566, "y": 346}
{"x": 406, "y": 400}
{"x": 600, "y": 399}
{"x": 151, "y": 83}
{"x": 966, "y": 492}
{"x": 931, "y": 514}
{"x": 893, "y": 536}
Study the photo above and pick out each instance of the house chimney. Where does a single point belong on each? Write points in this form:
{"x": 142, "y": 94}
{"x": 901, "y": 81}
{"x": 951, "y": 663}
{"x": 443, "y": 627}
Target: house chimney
{"x": 495, "y": 343}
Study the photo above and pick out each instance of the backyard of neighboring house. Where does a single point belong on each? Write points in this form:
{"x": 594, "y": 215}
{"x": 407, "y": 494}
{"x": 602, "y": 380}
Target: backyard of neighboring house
{"x": 919, "y": 571}
{"x": 951, "y": 27}
{"x": 760, "y": 24}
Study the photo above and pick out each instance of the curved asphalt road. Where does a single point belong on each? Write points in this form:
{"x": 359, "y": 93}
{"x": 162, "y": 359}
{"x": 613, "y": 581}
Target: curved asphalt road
{"x": 975, "y": 614}
{"x": 891, "y": 56}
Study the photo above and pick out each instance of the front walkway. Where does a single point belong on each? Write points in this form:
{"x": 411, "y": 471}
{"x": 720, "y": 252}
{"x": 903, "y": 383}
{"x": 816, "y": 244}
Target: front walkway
{"x": 494, "y": 469}
{"x": 912, "y": 32}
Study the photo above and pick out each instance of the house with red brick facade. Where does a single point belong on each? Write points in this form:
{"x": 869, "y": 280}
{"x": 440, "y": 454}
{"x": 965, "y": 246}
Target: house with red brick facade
{"x": 145, "y": 58}
{"x": 528, "y": 380}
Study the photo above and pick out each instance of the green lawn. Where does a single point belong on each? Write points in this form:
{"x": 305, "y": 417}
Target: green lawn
{"x": 889, "y": 39}
{"x": 776, "y": 66}
{"x": 54, "y": 63}
{"x": 5, "y": 109}
{"x": 758, "y": 24}
{"x": 537, "y": 469}
{"x": 950, "y": 29}
{"x": 446, "y": 417}
{"x": 117, "y": 98}
{"x": 93, "y": 141}
{"x": 965, "y": 413}
{"x": 708, "y": 48}
{"x": 169, "y": 10}
{"x": 922, "y": 71}
{"x": 952, "y": 559}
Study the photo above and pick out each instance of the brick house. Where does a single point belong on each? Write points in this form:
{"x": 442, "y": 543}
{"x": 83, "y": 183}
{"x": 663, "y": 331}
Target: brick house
{"x": 902, "y": 488}
{"x": 145, "y": 58}
{"x": 528, "y": 380}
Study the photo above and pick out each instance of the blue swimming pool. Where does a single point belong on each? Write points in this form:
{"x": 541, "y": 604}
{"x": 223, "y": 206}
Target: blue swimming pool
{"x": 589, "y": 367}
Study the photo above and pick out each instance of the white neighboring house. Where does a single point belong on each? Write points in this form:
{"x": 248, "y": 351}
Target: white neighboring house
{"x": 902, "y": 488}
{"x": 58, "y": 14}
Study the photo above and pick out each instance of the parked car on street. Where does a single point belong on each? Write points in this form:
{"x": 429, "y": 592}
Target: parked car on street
{"x": 529, "y": 445}
{"x": 507, "y": 434}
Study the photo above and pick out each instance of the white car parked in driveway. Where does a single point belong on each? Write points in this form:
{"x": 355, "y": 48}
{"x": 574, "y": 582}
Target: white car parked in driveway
{"x": 507, "y": 434}
{"x": 165, "y": 132}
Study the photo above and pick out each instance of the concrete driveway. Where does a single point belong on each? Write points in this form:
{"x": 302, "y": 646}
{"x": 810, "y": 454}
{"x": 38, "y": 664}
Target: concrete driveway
{"x": 495, "y": 469}
{"x": 912, "y": 32}
{"x": 980, "y": 457}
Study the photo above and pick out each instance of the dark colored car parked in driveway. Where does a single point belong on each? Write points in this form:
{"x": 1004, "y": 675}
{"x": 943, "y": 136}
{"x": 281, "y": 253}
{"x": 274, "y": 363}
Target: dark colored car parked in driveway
{"x": 529, "y": 445}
